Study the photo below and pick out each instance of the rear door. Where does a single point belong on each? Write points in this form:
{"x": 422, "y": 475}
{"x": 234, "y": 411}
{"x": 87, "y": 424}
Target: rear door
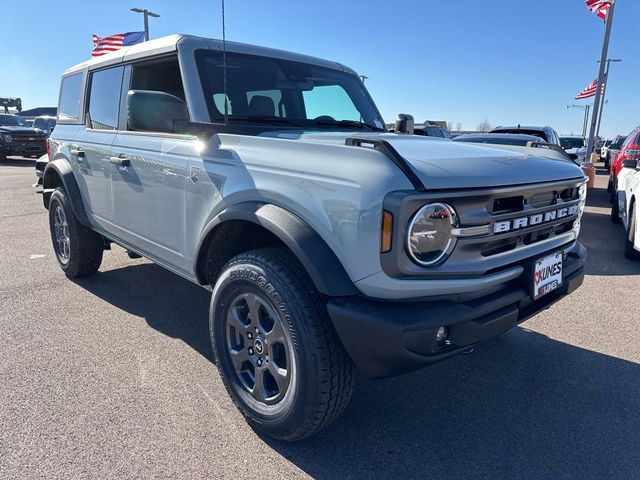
{"x": 149, "y": 190}
{"x": 92, "y": 147}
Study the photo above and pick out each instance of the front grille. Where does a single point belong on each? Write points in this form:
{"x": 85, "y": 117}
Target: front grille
{"x": 29, "y": 139}
{"x": 531, "y": 218}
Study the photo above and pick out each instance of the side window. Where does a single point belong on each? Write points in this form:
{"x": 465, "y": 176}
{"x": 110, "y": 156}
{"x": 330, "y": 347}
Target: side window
{"x": 104, "y": 99}
{"x": 70, "y": 96}
{"x": 330, "y": 98}
{"x": 39, "y": 123}
{"x": 161, "y": 75}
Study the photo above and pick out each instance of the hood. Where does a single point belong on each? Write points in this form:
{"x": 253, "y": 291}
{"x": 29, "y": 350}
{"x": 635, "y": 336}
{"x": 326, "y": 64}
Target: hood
{"x": 441, "y": 163}
{"x": 27, "y": 130}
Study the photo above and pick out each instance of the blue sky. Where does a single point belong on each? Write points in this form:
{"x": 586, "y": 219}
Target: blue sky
{"x": 509, "y": 61}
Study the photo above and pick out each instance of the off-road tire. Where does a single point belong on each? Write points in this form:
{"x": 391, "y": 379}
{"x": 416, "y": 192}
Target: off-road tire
{"x": 85, "y": 247}
{"x": 324, "y": 375}
{"x": 630, "y": 252}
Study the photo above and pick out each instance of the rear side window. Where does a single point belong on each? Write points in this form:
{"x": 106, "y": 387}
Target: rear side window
{"x": 70, "y": 96}
{"x": 104, "y": 99}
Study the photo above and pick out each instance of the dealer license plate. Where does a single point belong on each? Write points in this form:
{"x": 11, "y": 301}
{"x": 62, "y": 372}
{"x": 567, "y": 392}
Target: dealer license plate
{"x": 547, "y": 275}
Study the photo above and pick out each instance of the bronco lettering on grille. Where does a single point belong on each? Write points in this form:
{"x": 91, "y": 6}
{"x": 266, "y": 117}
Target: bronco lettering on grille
{"x": 537, "y": 219}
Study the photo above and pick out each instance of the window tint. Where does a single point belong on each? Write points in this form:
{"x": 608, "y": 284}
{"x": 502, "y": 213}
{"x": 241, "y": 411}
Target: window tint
{"x": 296, "y": 93}
{"x": 275, "y": 96}
{"x": 161, "y": 76}
{"x": 104, "y": 99}
{"x": 218, "y": 100}
{"x": 330, "y": 98}
{"x": 70, "y": 95}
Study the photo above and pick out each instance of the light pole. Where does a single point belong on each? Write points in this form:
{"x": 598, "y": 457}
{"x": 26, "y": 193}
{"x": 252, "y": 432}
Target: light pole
{"x": 146, "y": 13}
{"x": 604, "y": 91}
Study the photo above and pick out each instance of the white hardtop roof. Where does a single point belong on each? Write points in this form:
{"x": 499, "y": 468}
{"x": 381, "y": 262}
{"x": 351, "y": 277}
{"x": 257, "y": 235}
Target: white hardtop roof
{"x": 169, "y": 44}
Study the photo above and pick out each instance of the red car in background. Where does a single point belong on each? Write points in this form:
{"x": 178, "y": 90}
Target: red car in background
{"x": 630, "y": 150}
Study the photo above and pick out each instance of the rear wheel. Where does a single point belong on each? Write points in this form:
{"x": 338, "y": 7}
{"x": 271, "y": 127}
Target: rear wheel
{"x": 78, "y": 248}
{"x": 630, "y": 252}
{"x": 277, "y": 352}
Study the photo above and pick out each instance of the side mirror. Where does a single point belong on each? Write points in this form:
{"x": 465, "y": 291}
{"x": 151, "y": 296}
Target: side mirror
{"x": 151, "y": 111}
{"x": 573, "y": 156}
{"x": 404, "y": 124}
{"x": 630, "y": 164}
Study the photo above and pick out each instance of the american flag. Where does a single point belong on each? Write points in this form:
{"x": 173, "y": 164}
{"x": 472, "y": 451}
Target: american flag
{"x": 589, "y": 91}
{"x": 102, "y": 45}
{"x": 599, "y": 7}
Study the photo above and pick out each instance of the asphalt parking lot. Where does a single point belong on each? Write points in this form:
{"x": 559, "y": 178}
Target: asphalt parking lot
{"x": 112, "y": 377}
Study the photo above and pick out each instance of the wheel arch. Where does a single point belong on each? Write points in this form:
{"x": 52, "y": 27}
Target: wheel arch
{"x": 280, "y": 227}
{"x": 56, "y": 174}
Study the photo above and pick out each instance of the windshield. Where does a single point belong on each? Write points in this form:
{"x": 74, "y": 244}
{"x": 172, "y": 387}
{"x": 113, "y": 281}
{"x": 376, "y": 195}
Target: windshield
{"x": 571, "y": 142}
{"x": 618, "y": 143}
{"x": 12, "y": 121}
{"x": 285, "y": 93}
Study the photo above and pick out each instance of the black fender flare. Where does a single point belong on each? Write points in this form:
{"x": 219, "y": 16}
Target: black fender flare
{"x": 61, "y": 169}
{"x": 321, "y": 263}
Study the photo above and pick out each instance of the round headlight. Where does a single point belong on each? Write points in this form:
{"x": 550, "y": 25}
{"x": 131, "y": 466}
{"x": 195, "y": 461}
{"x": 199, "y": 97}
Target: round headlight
{"x": 430, "y": 237}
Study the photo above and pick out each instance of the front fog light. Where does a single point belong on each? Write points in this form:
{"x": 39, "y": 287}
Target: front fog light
{"x": 430, "y": 238}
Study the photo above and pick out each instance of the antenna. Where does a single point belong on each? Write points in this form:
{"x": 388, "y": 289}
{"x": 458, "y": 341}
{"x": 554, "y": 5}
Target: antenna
{"x": 224, "y": 70}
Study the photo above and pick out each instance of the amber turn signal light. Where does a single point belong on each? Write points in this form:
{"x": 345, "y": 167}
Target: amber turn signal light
{"x": 387, "y": 228}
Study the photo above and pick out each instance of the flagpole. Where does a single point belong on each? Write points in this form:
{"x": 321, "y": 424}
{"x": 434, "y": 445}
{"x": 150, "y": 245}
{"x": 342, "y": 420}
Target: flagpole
{"x": 596, "y": 101}
{"x": 604, "y": 91}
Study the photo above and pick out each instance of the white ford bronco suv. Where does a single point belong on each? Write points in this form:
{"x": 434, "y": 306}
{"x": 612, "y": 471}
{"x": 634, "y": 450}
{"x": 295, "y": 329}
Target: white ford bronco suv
{"x": 328, "y": 243}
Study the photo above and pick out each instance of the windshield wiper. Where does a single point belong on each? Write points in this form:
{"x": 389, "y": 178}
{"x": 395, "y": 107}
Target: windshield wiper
{"x": 348, "y": 123}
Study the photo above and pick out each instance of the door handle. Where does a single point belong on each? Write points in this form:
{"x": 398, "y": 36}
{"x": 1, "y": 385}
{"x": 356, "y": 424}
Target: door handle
{"x": 121, "y": 160}
{"x": 77, "y": 152}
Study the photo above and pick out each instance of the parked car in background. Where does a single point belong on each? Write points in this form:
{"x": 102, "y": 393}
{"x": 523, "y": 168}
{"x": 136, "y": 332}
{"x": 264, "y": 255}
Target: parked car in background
{"x": 574, "y": 145}
{"x": 604, "y": 148}
{"x": 548, "y": 134}
{"x": 630, "y": 150}
{"x": 17, "y": 138}
{"x": 428, "y": 129}
{"x": 431, "y": 130}
{"x": 518, "y": 143}
{"x": 629, "y": 207}
{"x": 515, "y": 139}
{"x": 45, "y": 123}
{"x": 612, "y": 149}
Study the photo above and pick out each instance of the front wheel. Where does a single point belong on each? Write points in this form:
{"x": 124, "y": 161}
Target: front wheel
{"x": 629, "y": 251}
{"x": 277, "y": 352}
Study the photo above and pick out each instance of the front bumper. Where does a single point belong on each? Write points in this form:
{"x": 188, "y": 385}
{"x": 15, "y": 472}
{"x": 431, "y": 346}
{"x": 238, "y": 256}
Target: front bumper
{"x": 20, "y": 150}
{"x": 387, "y": 338}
